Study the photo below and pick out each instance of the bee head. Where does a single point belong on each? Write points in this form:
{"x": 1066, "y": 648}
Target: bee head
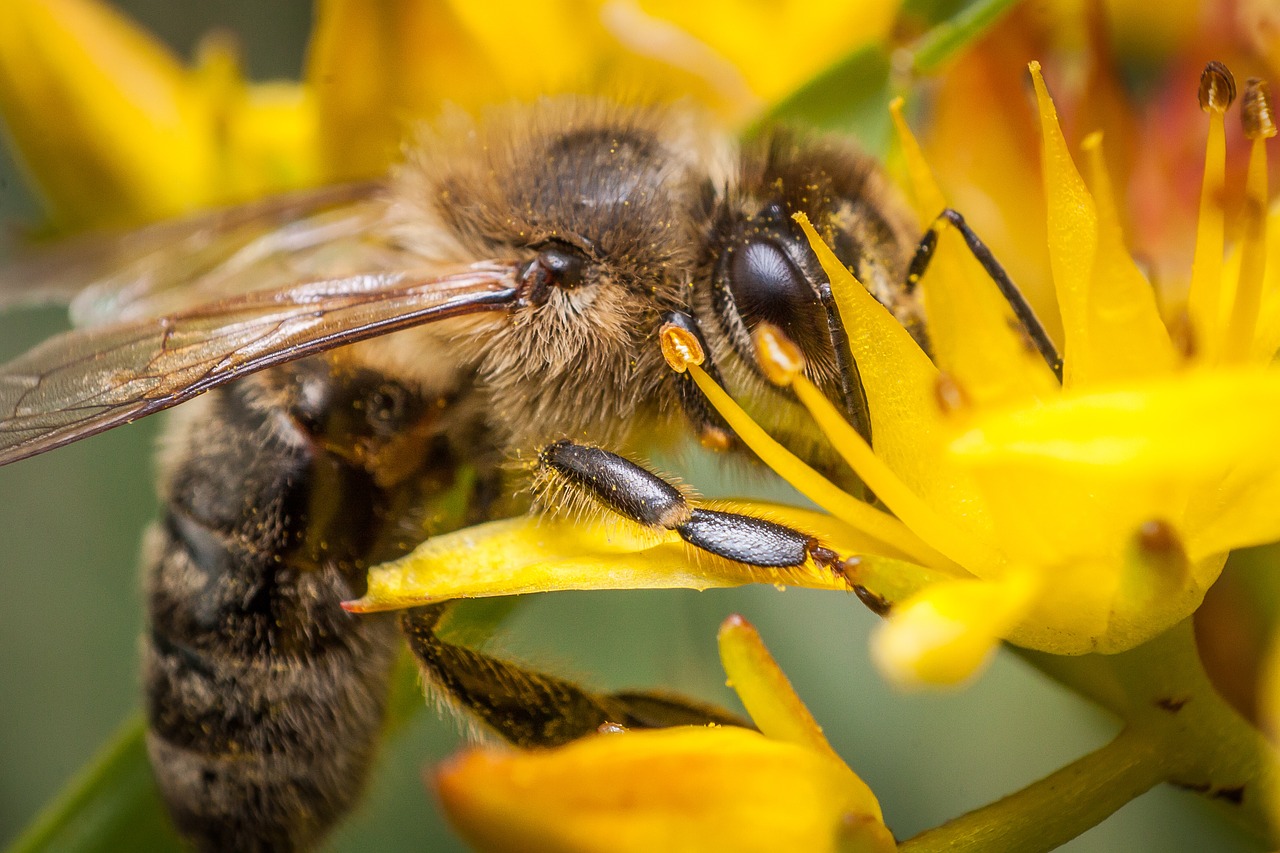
{"x": 602, "y": 209}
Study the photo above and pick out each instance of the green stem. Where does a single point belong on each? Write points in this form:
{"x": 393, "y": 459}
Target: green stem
{"x": 945, "y": 40}
{"x": 1057, "y": 808}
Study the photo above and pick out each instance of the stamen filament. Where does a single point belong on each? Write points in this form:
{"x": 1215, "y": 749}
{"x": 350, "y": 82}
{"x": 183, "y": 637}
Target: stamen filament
{"x": 1242, "y": 326}
{"x": 880, "y": 479}
{"x": 1217, "y": 91}
{"x": 896, "y": 537}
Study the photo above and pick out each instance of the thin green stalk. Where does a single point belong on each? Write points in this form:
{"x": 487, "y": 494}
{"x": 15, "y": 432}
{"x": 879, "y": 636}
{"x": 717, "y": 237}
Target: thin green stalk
{"x": 945, "y": 40}
{"x": 1057, "y": 808}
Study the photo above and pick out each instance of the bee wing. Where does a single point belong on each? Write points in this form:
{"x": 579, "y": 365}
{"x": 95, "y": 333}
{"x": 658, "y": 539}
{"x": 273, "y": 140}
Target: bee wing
{"x": 89, "y": 380}
{"x": 322, "y": 233}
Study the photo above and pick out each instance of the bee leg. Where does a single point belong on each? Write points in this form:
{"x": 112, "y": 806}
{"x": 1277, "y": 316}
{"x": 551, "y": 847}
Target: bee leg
{"x": 629, "y": 490}
{"x": 532, "y": 709}
{"x": 853, "y": 395}
{"x": 1011, "y": 292}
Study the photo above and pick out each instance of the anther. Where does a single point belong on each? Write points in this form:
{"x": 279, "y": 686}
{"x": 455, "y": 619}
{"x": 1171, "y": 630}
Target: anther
{"x": 1256, "y": 112}
{"x": 680, "y": 347}
{"x": 777, "y": 355}
{"x": 1217, "y": 88}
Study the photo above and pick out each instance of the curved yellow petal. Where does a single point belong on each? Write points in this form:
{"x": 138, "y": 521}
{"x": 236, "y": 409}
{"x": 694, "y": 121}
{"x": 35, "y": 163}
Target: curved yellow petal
{"x": 764, "y": 688}
{"x": 103, "y": 116}
{"x": 682, "y": 789}
{"x": 1126, "y": 337}
{"x": 971, "y": 327}
{"x": 537, "y": 554}
{"x": 948, "y": 632}
{"x": 376, "y": 67}
{"x": 985, "y": 149}
{"x": 779, "y": 46}
{"x": 1182, "y": 428}
{"x": 271, "y": 142}
{"x": 1073, "y": 236}
{"x": 902, "y": 387}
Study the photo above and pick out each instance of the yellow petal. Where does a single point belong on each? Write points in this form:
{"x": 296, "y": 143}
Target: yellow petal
{"x": 901, "y": 385}
{"x": 271, "y": 142}
{"x": 1237, "y": 511}
{"x": 1073, "y": 224}
{"x": 779, "y": 46}
{"x": 764, "y": 688}
{"x": 957, "y": 540}
{"x": 986, "y": 152}
{"x": 947, "y": 633}
{"x": 104, "y": 117}
{"x": 376, "y": 67}
{"x": 1185, "y": 427}
{"x": 534, "y": 554}
{"x": 1126, "y": 336}
{"x": 682, "y": 789}
{"x": 1071, "y": 482}
{"x": 970, "y": 324}
{"x": 929, "y": 200}
{"x": 975, "y": 337}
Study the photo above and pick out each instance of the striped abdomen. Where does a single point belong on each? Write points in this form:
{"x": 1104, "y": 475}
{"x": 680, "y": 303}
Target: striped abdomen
{"x": 264, "y": 697}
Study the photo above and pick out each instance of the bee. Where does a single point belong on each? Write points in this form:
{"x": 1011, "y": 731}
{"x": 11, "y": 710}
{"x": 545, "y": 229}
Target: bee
{"x": 353, "y": 359}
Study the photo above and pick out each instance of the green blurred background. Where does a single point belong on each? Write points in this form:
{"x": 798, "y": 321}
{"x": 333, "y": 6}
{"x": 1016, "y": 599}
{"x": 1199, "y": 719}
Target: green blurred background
{"x": 69, "y": 528}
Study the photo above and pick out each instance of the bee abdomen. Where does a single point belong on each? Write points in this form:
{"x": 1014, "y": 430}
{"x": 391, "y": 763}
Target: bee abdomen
{"x": 264, "y": 698}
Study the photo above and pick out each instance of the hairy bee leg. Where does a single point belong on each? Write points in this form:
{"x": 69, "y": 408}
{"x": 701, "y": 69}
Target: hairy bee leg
{"x": 532, "y": 709}
{"x": 647, "y": 499}
{"x": 1011, "y": 292}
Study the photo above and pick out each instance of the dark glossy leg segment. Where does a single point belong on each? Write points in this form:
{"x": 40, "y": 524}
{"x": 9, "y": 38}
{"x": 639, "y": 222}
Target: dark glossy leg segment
{"x": 629, "y": 490}
{"x": 531, "y": 709}
{"x": 1012, "y": 294}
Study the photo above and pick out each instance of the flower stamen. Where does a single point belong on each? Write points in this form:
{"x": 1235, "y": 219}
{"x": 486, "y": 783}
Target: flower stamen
{"x": 1217, "y": 91}
{"x": 871, "y": 469}
{"x": 1259, "y": 125}
{"x": 895, "y": 537}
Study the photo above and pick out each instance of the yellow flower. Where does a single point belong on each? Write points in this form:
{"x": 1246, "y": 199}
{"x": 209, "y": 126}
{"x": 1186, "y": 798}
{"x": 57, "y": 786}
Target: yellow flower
{"x": 115, "y": 130}
{"x": 679, "y": 789}
{"x": 1089, "y": 517}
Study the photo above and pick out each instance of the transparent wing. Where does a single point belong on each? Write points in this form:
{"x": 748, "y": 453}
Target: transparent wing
{"x": 324, "y": 233}
{"x": 89, "y": 380}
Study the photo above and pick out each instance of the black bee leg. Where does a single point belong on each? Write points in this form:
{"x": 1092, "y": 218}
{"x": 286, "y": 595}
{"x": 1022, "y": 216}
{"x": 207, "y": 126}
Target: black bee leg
{"x": 1012, "y": 294}
{"x": 711, "y": 429}
{"x": 532, "y": 709}
{"x": 647, "y": 499}
{"x": 853, "y": 396}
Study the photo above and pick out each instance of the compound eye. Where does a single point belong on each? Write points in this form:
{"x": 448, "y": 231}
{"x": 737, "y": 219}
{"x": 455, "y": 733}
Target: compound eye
{"x": 767, "y": 286}
{"x": 557, "y": 265}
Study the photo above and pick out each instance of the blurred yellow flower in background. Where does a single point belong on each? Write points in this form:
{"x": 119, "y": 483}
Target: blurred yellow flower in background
{"x": 116, "y": 130}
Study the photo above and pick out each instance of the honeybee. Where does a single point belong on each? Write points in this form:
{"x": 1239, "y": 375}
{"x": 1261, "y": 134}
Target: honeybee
{"x": 357, "y": 357}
